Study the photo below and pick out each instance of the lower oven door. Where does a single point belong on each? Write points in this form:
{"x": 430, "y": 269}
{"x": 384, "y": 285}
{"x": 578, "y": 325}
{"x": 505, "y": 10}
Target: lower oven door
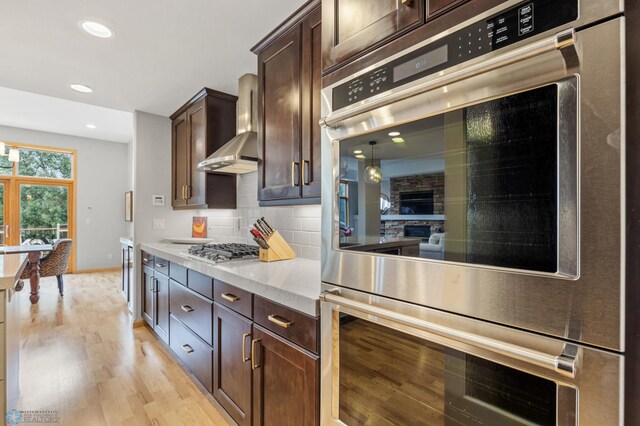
{"x": 386, "y": 362}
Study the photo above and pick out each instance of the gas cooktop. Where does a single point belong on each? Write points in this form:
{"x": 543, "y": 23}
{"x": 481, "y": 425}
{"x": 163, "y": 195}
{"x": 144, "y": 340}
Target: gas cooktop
{"x": 217, "y": 253}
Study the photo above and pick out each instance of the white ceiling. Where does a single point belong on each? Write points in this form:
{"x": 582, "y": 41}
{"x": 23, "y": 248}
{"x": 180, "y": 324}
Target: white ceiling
{"x": 48, "y": 114}
{"x": 162, "y": 53}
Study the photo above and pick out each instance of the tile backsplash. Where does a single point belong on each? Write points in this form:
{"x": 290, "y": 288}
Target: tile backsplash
{"x": 299, "y": 225}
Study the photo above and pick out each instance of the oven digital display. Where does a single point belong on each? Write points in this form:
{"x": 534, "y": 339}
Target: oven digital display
{"x": 422, "y": 63}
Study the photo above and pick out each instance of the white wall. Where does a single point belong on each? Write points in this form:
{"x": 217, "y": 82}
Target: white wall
{"x": 101, "y": 184}
{"x": 152, "y": 176}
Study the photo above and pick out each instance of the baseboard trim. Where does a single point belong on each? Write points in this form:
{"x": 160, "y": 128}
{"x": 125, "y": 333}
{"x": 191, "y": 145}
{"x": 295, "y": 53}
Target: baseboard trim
{"x": 138, "y": 323}
{"x": 91, "y": 271}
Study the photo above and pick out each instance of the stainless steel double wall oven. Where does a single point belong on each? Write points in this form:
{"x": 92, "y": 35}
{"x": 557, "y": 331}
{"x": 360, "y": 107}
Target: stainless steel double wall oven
{"x": 473, "y": 252}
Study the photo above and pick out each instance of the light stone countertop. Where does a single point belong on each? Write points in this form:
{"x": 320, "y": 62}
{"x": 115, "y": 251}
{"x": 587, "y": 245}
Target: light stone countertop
{"x": 294, "y": 283}
{"x": 126, "y": 240}
{"x": 11, "y": 266}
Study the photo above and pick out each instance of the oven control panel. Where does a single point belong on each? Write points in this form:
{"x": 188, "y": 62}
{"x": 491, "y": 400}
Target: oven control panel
{"x": 518, "y": 23}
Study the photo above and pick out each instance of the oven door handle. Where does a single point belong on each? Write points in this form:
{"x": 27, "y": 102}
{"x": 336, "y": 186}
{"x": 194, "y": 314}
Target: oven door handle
{"x": 560, "y": 41}
{"x": 565, "y": 363}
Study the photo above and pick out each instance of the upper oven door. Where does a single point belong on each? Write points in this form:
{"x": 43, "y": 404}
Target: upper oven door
{"x": 511, "y": 163}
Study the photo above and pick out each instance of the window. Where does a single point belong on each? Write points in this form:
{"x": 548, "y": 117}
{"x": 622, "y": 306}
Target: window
{"x": 45, "y": 164}
{"x": 37, "y": 196}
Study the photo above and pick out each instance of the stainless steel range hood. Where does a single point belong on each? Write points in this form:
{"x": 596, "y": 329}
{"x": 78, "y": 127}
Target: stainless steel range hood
{"x": 240, "y": 154}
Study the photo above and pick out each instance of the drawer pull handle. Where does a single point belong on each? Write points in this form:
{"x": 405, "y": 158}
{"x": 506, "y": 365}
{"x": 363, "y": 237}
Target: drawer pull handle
{"x": 161, "y": 265}
{"x": 254, "y": 365}
{"x": 278, "y": 320}
{"x": 145, "y": 259}
{"x": 186, "y": 308}
{"x": 244, "y": 345}
{"x": 188, "y": 349}
{"x": 230, "y": 297}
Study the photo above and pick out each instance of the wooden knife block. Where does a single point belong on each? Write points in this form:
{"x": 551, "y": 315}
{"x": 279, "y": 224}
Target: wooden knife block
{"x": 278, "y": 249}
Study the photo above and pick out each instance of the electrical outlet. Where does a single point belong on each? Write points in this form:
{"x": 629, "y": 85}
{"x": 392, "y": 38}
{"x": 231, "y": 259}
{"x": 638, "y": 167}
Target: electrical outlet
{"x": 158, "y": 223}
{"x": 109, "y": 256}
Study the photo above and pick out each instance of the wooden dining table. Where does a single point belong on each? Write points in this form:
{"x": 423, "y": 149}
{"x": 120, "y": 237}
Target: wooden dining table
{"x": 34, "y": 253}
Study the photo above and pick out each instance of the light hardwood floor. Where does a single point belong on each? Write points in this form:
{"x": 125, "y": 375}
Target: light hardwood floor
{"x": 80, "y": 357}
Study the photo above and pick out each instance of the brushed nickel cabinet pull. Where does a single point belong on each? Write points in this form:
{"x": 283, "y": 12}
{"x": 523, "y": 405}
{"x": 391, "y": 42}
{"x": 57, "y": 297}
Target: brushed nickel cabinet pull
{"x": 186, "y": 308}
{"x": 278, "y": 320}
{"x": 188, "y": 192}
{"x": 295, "y": 178}
{"x": 306, "y": 178}
{"x": 145, "y": 259}
{"x": 161, "y": 265}
{"x": 244, "y": 345}
{"x": 253, "y": 354}
{"x": 230, "y": 297}
{"x": 188, "y": 349}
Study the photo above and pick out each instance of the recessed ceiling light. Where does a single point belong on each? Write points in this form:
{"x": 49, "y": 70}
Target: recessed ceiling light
{"x": 357, "y": 151}
{"x": 91, "y": 126}
{"x": 393, "y": 134}
{"x": 398, "y": 140}
{"x": 96, "y": 29}
{"x": 360, "y": 157}
{"x": 81, "y": 88}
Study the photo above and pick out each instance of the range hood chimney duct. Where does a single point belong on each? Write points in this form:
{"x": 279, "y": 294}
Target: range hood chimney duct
{"x": 240, "y": 154}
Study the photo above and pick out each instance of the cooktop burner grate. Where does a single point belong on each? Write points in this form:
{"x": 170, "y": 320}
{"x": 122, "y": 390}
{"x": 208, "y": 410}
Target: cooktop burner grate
{"x": 224, "y": 252}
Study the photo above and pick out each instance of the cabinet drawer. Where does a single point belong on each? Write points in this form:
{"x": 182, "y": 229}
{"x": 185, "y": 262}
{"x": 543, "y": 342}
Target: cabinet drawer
{"x": 288, "y": 323}
{"x": 233, "y": 297}
{"x": 200, "y": 283}
{"x": 178, "y": 273}
{"x": 195, "y": 353}
{"x": 161, "y": 265}
{"x": 147, "y": 259}
{"x": 192, "y": 310}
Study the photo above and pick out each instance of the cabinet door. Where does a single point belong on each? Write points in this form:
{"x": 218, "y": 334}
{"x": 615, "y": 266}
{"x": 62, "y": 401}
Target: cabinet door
{"x": 180, "y": 160}
{"x": 161, "y": 323}
{"x": 231, "y": 368}
{"x": 285, "y": 382}
{"x": 131, "y": 277}
{"x": 125, "y": 270}
{"x": 148, "y": 289}
{"x": 352, "y": 27}
{"x": 312, "y": 84}
{"x": 279, "y": 117}
{"x": 197, "y": 122}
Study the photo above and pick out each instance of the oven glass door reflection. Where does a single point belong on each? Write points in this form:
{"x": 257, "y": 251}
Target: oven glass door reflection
{"x": 391, "y": 378}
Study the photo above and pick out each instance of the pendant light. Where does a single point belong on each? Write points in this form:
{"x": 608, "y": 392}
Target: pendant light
{"x": 372, "y": 174}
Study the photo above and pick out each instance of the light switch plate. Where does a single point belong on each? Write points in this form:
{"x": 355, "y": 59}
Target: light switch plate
{"x": 158, "y": 223}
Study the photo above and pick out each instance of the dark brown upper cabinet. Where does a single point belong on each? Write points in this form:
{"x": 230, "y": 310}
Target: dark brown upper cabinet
{"x": 198, "y": 129}
{"x": 351, "y": 28}
{"x": 289, "y": 83}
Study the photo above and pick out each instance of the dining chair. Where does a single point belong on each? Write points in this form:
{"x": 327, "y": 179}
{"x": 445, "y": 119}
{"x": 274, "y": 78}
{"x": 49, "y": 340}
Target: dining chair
{"x": 54, "y": 264}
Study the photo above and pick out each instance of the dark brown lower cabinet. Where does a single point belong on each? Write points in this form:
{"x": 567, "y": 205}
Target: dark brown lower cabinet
{"x": 231, "y": 365}
{"x": 193, "y": 351}
{"x": 161, "y": 313}
{"x": 147, "y": 295}
{"x": 285, "y": 382}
